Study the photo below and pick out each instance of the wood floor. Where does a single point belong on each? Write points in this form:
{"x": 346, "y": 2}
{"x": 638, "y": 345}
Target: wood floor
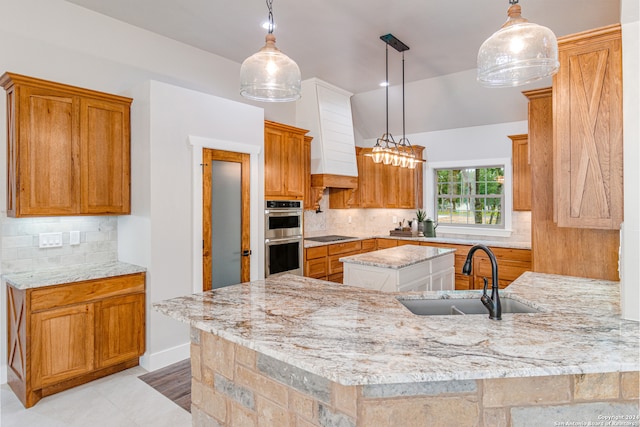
{"x": 174, "y": 382}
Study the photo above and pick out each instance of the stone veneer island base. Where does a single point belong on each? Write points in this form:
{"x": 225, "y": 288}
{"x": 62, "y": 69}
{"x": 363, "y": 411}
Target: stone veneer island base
{"x": 233, "y": 385}
{"x": 294, "y": 351}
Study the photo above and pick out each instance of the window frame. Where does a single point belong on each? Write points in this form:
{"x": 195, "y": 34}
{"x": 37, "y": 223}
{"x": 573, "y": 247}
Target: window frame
{"x": 472, "y": 229}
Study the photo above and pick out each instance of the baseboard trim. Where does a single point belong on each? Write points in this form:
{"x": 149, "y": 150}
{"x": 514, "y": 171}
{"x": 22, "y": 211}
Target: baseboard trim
{"x": 3, "y": 373}
{"x": 158, "y": 360}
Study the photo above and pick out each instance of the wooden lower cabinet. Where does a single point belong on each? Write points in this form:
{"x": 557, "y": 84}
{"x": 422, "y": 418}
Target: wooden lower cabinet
{"x": 322, "y": 262}
{"x": 511, "y": 264}
{"x": 65, "y": 335}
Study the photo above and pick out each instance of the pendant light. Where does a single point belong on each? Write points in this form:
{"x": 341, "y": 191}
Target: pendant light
{"x": 407, "y": 154}
{"x": 387, "y": 150}
{"x": 382, "y": 152}
{"x": 519, "y": 52}
{"x": 269, "y": 75}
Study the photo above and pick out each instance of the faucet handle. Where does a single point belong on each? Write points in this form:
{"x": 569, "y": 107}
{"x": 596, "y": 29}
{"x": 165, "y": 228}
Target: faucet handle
{"x": 486, "y": 285}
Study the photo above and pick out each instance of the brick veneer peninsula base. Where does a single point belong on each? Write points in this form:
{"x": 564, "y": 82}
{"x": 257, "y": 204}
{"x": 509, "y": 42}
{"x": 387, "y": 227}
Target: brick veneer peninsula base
{"x": 235, "y": 386}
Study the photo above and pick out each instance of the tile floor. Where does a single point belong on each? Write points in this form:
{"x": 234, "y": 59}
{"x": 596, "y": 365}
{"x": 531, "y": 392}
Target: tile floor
{"x": 119, "y": 400}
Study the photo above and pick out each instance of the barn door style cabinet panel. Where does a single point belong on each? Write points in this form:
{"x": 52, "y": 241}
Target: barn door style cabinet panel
{"x": 587, "y": 102}
{"x": 68, "y": 149}
{"x": 285, "y": 163}
{"x": 65, "y": 335}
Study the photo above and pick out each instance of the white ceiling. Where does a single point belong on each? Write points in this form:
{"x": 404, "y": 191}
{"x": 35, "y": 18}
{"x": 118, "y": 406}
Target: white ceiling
{"x": 338, "y": 40}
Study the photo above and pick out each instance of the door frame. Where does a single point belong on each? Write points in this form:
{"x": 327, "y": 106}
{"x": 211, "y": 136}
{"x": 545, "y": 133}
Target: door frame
{"x": 256, "y": 166}
{"x": 213, "y": 155}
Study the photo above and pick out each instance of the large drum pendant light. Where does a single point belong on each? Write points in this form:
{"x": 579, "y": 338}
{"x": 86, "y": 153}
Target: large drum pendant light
{"x": 269, "y": 75}
{"x": 518, "y": 53}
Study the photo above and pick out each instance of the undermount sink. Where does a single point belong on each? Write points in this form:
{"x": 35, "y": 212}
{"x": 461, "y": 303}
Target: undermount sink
{"x": 461, "y": 306}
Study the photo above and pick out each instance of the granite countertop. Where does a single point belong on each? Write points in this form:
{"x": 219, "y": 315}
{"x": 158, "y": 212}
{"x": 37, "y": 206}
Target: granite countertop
{"x": 356, "y": 336}
{"x": 398, "y": 257}
{"x": 70, "y": 274}
{"x": 456, "y": 241}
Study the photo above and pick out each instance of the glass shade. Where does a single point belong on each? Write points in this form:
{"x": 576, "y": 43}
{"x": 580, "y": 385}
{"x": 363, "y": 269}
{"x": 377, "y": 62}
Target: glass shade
{"x": 377, "y": 153}
{"x": 269, "y": 75}
{"x": 518, "y": 53}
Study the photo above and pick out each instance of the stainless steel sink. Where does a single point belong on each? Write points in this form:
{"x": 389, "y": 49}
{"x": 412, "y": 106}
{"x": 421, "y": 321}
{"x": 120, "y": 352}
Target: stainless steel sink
{"x": 461, "y": 306}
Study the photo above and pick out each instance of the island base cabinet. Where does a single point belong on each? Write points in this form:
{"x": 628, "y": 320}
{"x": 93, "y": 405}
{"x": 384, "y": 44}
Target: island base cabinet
{"x": 65, "y": 335}
{"x": 276, "y": 393}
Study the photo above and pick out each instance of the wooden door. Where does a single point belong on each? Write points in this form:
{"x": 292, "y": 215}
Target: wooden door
{"x": 48, "y": 180}
{"x": 119, "y": 332}
{"x": 104, "y": 156}
{"x": 587, "y": 102}
{"x": 63, "y": 344}
{"x": 209, "y": 156}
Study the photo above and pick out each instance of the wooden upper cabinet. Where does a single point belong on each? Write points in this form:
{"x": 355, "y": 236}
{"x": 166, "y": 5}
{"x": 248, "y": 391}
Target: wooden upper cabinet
{"x": 587, "y": 103}
{"x": 521, "y": 172}
{"x": 383, "y": 186}
{"x": 68, "y": 149}
{"x": 284, "y": 161}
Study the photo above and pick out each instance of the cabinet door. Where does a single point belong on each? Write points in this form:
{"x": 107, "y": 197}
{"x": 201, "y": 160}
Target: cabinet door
{"x": 406, "y": 188}
{"x": 521, "y": 173}
{"x": 369, "y": 185}
{"x": 295, "y": 171}
{"x": 587, "y": 102}
{"x": 120, "y": 327}
{"x": 274, "y": 174}
{"x": 63, "y": 344}
{"x": 104, "y": 157}
{"x": 48, "y": 174}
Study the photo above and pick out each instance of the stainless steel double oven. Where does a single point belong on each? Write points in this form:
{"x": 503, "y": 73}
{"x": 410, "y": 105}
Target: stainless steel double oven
{"x": 283, "y": 237}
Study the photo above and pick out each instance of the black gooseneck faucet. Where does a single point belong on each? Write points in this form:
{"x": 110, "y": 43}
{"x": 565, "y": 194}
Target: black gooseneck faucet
{"x": 491, "y": 303}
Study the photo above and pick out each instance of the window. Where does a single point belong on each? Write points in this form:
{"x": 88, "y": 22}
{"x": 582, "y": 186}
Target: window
{"x": 470, "y": 196}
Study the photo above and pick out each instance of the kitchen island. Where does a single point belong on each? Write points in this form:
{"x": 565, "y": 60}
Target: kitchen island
{"x": 290, "y": 350}
{"x": 401, "y": 269}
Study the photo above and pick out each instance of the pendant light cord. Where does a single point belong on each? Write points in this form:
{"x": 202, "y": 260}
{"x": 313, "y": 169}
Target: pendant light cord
{"x": 403, "y": 134}
{"x": 270, "y": 7}
{"x": 387, "y": 87}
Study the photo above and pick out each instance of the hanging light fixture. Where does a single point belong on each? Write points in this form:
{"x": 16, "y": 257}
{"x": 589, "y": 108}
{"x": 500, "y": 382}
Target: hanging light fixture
{"x": 269, "y": 75}
{"x": 408, "y": 156}
{"x": 387, "y": 150}
{"x": 519, "y": 52}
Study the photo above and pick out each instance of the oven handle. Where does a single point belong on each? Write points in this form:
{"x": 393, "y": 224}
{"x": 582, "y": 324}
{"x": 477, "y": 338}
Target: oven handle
{"x": 287, "y": 240}
{"x": 280, "y": 212}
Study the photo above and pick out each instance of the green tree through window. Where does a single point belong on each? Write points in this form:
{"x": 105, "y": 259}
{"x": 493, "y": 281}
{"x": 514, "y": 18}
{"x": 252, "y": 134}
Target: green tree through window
{"x": 470, "y": 196}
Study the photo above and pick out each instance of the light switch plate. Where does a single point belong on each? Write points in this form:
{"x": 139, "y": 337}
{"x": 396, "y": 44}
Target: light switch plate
{"x": 74, "y": 237}
{"x": 50, "y": 240}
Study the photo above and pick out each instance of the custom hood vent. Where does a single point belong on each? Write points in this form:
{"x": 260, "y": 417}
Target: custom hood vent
{"x": 325, "y": 110}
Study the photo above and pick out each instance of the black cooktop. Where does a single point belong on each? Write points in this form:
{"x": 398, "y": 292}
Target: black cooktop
{"x": 329, "y": 238}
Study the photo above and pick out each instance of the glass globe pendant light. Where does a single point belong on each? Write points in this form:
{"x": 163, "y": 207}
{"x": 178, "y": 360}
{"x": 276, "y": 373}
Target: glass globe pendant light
{"x": 520, "y": 52}
{"x": 269, "y": 75}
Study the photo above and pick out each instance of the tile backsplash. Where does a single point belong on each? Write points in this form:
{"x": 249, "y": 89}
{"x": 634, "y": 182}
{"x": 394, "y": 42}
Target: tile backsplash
{"x": 20, "y": 237}
{"x": 375, "y": 222}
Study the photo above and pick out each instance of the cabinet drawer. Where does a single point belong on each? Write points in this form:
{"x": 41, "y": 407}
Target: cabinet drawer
{"x": 335, "y": 266}
{"x": 343, "y": 248}
{"x": 336, "y": 278}
{"x": 508, "y": 270}
{"x": 368, "y": 245}
{"x": 316, "y": 268}
{"x": 87, "y": 291}
{"x": 315, "y": 252}
{"x": 386, "y": 243}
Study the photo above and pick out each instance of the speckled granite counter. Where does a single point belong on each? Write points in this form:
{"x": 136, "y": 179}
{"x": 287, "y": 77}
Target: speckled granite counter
{"x": 398, "y": 257}
{"x": 57, "y": 276}
{"x": 355, "y": 336}
{"x": 490, "y": 243}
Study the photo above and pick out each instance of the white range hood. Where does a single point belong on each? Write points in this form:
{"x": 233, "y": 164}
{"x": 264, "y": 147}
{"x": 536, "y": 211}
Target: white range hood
{"x": 325, "y": 110}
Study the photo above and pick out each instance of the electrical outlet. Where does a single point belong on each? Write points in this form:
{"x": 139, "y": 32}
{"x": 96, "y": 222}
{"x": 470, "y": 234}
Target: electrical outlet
{"x": 50, "y": 240}
{"x": 349, "y": 219}
{"x": 74, "y": 238}
{"x": 395, "y": 219}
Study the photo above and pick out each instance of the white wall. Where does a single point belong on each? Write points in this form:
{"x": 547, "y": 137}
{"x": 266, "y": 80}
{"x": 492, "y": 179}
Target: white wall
{"x": 630, "y": 290}
{"x": 159, "y": 233}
